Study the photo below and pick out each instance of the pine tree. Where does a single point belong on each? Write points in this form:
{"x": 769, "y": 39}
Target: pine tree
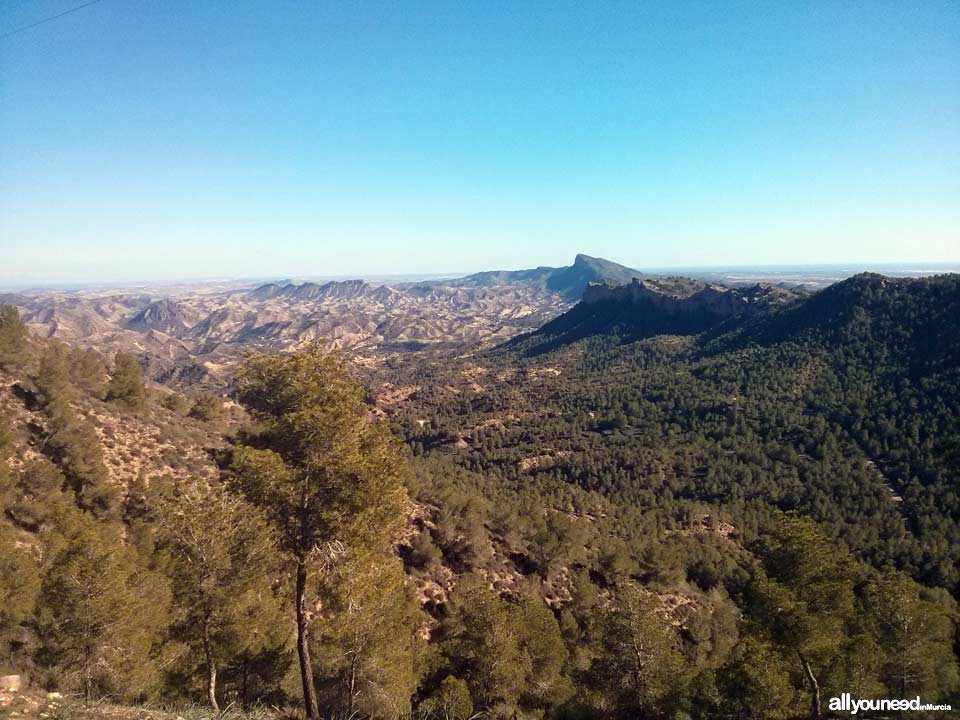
{"x": 19, "y": 574}
{"x": 101, "y": 616}
{"x": 484, "y": 648}
{"x": 74, "y": 445}
{"x": 38, "y": 495}
{"x": 53, "y": 378}
{"x": 366, "y": 636}
{"x": 224, "y": 557}
{"x": 6, "y": 450}
{"x": 88, "y": 372}
{"x": 639, "y": 663}
{"x": 546, "y": 685}
{"x": 916, "y": 635}
{"x": 19, "y": 588}
{"x": 510, "y": 651}
{"x": 753, "y": 683}
{"x": 13, "y": 337}
{"x": 803, "y": 597}
{"x": 452, "y": 701}
{"x": 329, "y": 480}
{"x": 126, "y": 382}
{"x": 207, "y": 408}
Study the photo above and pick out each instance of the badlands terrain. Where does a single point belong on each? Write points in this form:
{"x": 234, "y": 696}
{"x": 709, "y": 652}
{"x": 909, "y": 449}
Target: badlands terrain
{"x": 195, "y": 334}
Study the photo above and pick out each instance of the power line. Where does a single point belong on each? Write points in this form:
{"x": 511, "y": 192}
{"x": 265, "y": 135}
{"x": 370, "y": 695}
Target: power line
{"x": 46, "y": 20}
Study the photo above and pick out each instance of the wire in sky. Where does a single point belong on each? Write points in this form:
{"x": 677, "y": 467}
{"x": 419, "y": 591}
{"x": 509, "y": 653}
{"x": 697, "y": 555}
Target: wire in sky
{"x": 46, "y": 20}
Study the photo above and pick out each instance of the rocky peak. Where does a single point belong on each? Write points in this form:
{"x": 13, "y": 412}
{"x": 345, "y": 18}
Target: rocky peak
{"x": 163, "y": 315}
{"x": 270, "y": 290}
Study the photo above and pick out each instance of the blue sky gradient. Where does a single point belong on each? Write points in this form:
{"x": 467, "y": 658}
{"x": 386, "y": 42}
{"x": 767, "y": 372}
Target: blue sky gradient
{"x": 155, "y": 140}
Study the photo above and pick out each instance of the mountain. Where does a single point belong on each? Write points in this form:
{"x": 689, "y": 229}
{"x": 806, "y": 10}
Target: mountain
{"x": 332, "y": 289}
{"x": 572, "y": 281}
{"x": 842, "y": 404}
{"x": 270, "y": 290}
{"x": 569, "y": 282}
{"x": 912, "y": 318}
{"x": 661, "y": 306}
{"x": 165, "y": 315}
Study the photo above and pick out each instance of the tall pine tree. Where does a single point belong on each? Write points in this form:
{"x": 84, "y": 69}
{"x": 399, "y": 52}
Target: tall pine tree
{"x": 329, "y": 479}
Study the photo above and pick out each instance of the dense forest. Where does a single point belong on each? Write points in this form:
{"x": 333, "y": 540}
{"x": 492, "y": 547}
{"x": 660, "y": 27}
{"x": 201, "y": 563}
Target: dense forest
{"x": 742, "y": 523}
{"x": 843, "y": 407}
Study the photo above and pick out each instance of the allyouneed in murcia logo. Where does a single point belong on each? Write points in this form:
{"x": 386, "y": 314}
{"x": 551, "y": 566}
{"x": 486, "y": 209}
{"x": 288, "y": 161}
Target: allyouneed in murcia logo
{"x": 846, "y": 701}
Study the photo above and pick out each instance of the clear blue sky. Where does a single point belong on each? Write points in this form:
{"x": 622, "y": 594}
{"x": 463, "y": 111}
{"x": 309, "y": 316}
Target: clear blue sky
{"x": 143, "y": 139}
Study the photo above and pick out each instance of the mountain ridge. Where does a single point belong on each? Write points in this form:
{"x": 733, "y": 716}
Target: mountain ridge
{"x": 654, "y": 306}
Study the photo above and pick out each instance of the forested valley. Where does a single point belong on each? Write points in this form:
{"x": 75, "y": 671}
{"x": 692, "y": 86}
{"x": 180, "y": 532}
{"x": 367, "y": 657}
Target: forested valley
{"x": 590, "y": 521}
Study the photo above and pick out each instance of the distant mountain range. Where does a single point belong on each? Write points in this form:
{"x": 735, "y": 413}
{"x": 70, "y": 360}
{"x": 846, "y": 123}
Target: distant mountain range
{"x": 339, "y": 289}
{"x": 200, "y": 334}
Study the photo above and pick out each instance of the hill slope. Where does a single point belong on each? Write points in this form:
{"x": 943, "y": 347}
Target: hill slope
{"x": 649, "y": 307}
{"x": 844, "y": 405}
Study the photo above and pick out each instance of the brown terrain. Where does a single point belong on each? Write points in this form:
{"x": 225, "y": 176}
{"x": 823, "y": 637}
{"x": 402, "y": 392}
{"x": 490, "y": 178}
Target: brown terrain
{"x": 195, "y": 334}
{"x": 197, "y": 337}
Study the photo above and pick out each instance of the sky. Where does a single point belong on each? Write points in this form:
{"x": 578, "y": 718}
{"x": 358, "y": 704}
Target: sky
{"x": 146, "y": 140}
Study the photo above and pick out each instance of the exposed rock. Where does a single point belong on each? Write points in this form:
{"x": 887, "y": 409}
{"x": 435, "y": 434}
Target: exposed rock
{"x": 706, "y": 302}
{"x": 270, "y": 290}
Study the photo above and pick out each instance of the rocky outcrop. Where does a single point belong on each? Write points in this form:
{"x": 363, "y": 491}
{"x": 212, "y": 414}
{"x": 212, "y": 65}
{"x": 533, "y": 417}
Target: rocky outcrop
{"x": 163, "y": 315}
{"x": 706, "y": 301}
{"x": 335, "y": 289}
{"x": 654, "y": 306}
{"x": 270, "y": 290}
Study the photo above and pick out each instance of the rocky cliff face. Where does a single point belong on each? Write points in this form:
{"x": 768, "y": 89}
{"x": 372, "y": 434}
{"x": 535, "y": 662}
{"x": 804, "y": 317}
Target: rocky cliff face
{"x": 706, "y": 301}
{"x": 654, "y": 306}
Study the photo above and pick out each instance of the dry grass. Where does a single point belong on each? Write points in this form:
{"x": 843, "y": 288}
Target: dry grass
{"x": 76, "y": 709}
{"x": 136, "y": 447}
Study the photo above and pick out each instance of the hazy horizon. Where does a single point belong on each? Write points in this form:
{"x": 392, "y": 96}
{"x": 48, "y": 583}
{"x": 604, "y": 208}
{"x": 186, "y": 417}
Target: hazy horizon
{"x": 795, "y": 273}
